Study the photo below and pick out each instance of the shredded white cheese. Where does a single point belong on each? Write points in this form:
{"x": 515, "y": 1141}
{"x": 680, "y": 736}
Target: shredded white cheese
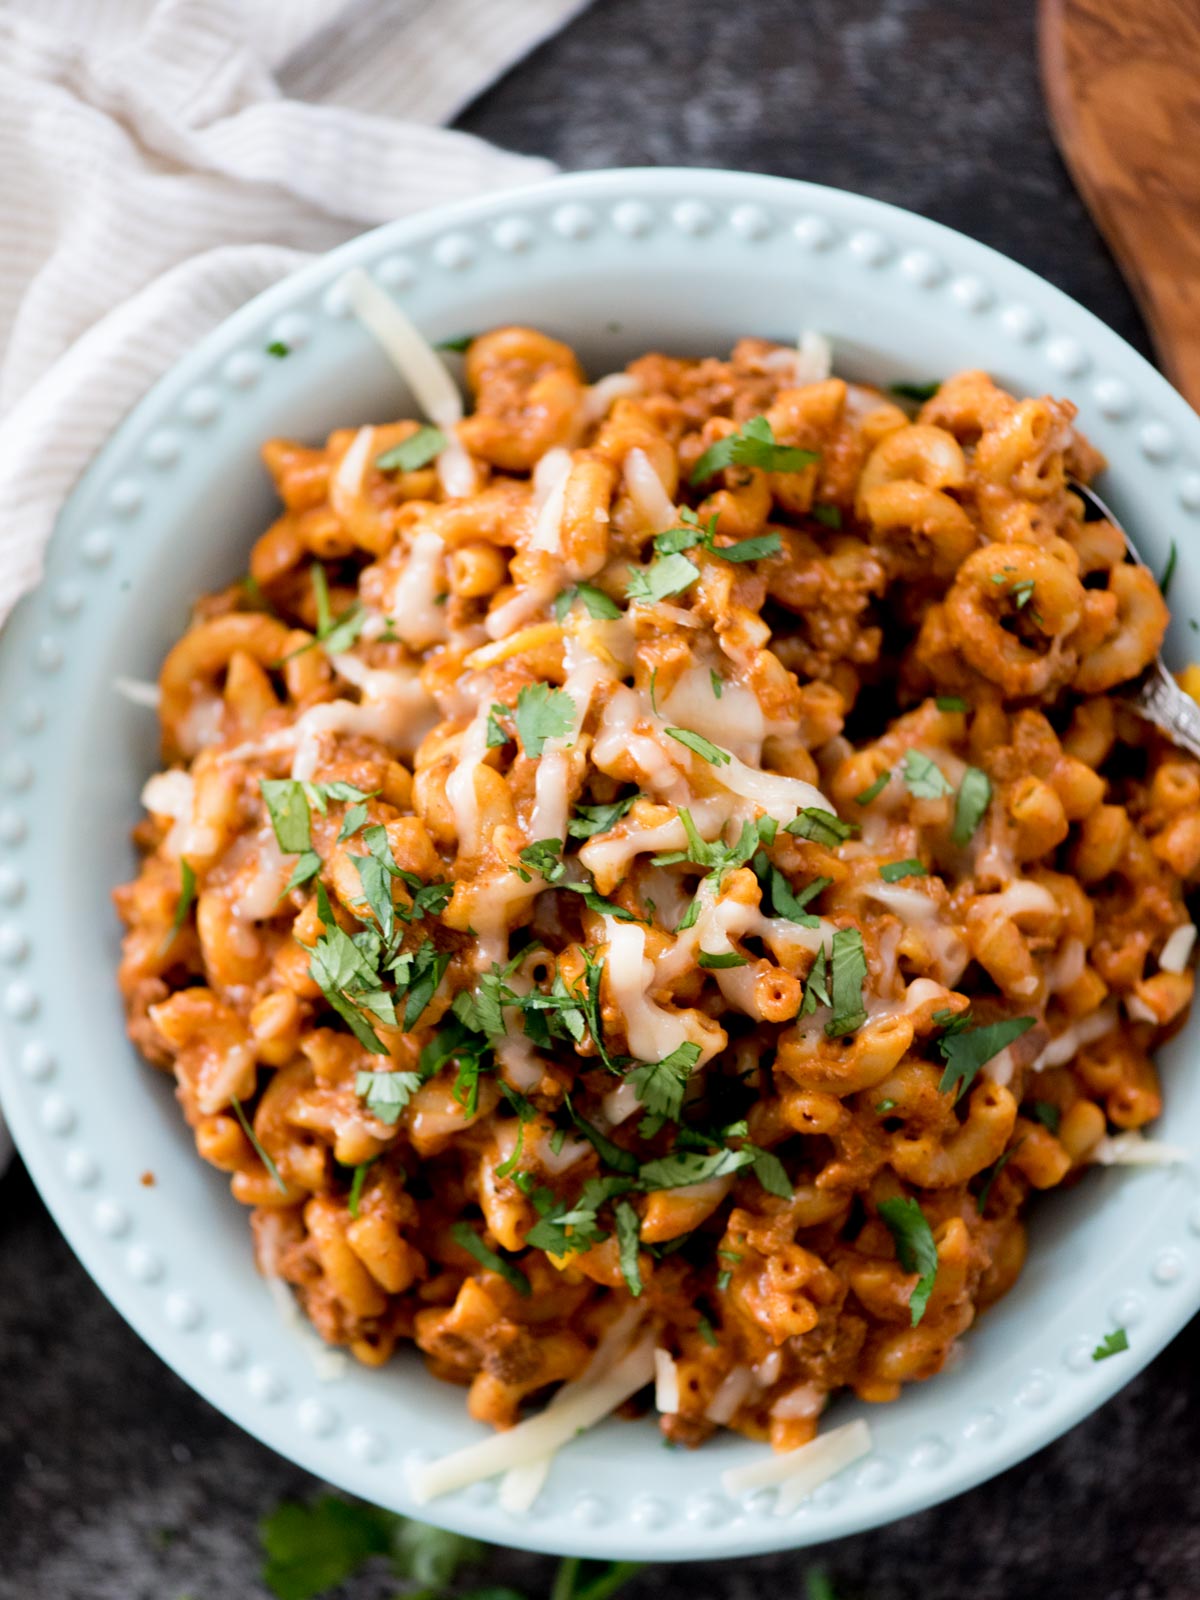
{"x": 799, "y": 1472}
{"x": 1133, "y": 1149}
{"x": 1175, "y": 954}
{"x": 666, "y": 1383}
{"x": 647, "y": 493}
{"x": 409, "y": 351}
{"x": 538, "y": 1436}
{"x": 137, "y": 692}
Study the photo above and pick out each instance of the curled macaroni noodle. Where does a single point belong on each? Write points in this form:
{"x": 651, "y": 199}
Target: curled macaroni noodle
{"x": 664, "y": 858}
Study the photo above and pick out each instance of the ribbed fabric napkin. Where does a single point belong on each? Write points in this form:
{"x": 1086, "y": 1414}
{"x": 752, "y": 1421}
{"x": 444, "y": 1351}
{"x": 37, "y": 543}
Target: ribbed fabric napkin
{"x": 161, "y": 161}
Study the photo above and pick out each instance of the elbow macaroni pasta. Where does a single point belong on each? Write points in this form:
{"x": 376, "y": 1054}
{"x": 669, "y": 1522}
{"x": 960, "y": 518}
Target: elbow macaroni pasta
{"x": 523, "y": 1010}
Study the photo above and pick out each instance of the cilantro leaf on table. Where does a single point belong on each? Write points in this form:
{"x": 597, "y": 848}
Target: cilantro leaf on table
{"x": 432, "y": 1556}
{"x": 418, "y": 450}
{"x": 915, "y": 1248}
{"x": 311, "y": 1549}
{"x": 965, "y": 1050}
{"x": 752, "y": 445}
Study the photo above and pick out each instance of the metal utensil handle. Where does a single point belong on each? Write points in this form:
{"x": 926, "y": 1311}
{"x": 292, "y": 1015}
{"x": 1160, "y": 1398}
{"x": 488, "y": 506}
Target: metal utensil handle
{"x": 1159, "y": 699}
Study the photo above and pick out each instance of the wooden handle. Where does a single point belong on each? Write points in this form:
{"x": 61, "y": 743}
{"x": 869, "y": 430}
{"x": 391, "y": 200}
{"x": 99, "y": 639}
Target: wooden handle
{"x": 1122, "y": 81}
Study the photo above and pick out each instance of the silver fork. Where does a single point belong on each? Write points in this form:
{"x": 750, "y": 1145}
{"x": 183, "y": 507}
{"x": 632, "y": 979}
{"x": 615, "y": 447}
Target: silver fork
{"x": 1154, "y": 696}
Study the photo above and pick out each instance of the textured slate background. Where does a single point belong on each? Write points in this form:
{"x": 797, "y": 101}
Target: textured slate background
{"x": 116, "y": 1482}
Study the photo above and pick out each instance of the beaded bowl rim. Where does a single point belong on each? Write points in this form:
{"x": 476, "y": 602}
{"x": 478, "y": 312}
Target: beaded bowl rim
{"x": 616, "y": 1499}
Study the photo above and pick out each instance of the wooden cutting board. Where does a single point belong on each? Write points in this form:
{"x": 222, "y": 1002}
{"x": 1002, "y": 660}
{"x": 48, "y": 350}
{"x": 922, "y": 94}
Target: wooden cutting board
{"x": 1122, "y": 81}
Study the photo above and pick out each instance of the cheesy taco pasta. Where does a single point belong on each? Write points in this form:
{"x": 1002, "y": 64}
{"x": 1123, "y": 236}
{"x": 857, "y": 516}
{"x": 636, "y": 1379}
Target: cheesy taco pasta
{"x": 663, "y": 860}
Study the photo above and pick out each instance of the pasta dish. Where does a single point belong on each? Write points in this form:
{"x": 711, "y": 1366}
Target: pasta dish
{"x": 648, "y": 877}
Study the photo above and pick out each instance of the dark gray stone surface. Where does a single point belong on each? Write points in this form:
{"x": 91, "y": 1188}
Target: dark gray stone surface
{"x": 118, "y": 1483}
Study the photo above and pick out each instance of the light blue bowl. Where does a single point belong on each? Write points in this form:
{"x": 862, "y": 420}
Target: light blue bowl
{"x": 616, "y": 263}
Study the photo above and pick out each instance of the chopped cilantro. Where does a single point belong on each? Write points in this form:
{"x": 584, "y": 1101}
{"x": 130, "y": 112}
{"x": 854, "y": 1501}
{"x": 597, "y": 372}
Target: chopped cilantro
{"x": 828, "y": 516}
{"x": 925, "y": 779}
{"x": 278, "y": 349}
{"x": 542, "y": 713}
{"x": 660, "y": 1084}
{"x": 700, "y": 746}
{"x": 1022, "y": 593}
{"x": 664, "y": 577}
{"x": 598, "y": 604}
{"x": 915, "y": 1248}
{"x": 952, "y": 702}
{"x": 595, "y": 901}
{"x": 335, "y": 634}
{"x": 707, "y": 1332}
{"x": 1047, "y": 1114}
{"x": 848, "y": 966}
{"x": 628, "y": 1239}
{"x": 1111, "y": 1345}
{"x": 915, "y": 391}
{"x": 719, "y": 960}
{"x": 816, "y": 988}
{"x": 965, "y": 1050}
{"x": 873, "y": 790}
{"x": 993, "y": 1172}
{"x": 496, "y": 735}
{"x": 1164, "y": 583}
{"x": 682, "y": 1167}
{"x": 356, "y": 1185}
{"x": 822, "y": 827}
{"x": 417, "y": 976}
{"x": 974, "y": 797}
{"x": 259, "y": 1151}
{"x": 885, "y": 1106}
{"x": 418, "y": 450}
{"x": 312, "y": 1549}
{"x": 287, "y": 807}
{"x": 543, "y": 858}
{"x": 752, "y": 445}
{"x": 590, "y": 820}
{"x": 187, "y": 894}
{"x": 385, "y": 1094}
{"x": 464, "y": 1234}
{"x": 893, "y": 871}
{"x": 718, "y": 683}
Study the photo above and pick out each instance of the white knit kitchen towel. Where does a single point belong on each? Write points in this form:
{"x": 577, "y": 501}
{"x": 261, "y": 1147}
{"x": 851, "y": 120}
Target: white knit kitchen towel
{"x": 161, "y": 161}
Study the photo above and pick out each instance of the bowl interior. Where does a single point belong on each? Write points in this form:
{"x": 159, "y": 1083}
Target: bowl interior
{"x": 176, "y": 501}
